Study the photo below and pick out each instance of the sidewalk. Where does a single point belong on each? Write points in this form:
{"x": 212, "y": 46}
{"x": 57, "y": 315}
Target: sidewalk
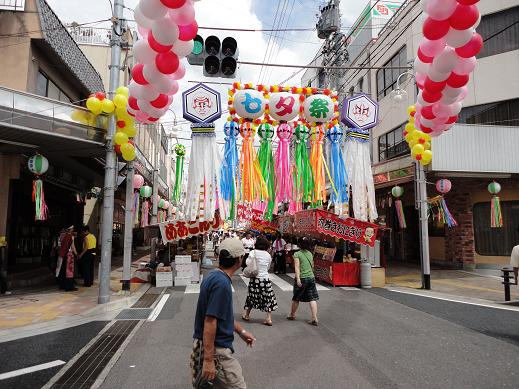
{"x": 37, "y": 308}
{"x": 458, "y": 283}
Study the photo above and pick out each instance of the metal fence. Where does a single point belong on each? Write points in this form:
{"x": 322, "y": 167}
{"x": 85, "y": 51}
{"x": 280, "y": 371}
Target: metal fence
{"x": 12, "y": 5}
{"x": 90, "y": 35}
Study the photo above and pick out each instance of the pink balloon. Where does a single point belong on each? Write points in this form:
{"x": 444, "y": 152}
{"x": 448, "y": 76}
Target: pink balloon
{"x": 138, "y": 181}
{"x": 152, "y": 9}
{"x": 465, "y": 65}
{"x": 183, "y": 15}
{"x": 440, "y": 9}
{"x": 143, "y": 31}
{"x": 420, "y": 67}
{"x": 420, "y": 78}
{"x": 142, "y": 51}
{"x": 174, "y": 88}
{"x": 457, "y": 38}
{"x": 187, "y": 32}
{"x": 141, "y": 116}
{"x": 436, "y": 75}
{"x": 463, "y": 94}
{"x": 151, "y": 73}
{"x": 165, "y": 31}
{"x": 441, "y": 110}
{"x": 446, "y": 60}
{"x": 431, "y": 48}
{"x": 451, "y": 92}
{"x": 180, "y": 73}
{"x": 455, "y": 108}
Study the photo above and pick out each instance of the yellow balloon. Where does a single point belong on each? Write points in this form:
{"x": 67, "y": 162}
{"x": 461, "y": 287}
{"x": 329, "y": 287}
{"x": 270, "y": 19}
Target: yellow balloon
{"x": 411, "y": 109}
{"x": 427, "y": 155}
{"x": 412, "y": 143}
{"x": 409, "y": 137}
{"x": 411, "y": 119}
{"x": 427, "y": 145}
{"x": 120, "y": 101}
{"x": 94, "y": 105}
{"x": 427, "y": 137}
{"x": 108, "y": 106}
{"x": 120, "y": 138}
{"x": 128, "y": 151}
{"x": 131, "y": 131}
{"x": 417, "y": 149}
{"x": 128, "y": 156}
{"x": 122, "y": 90}
{"x": 416, "y": 135}
{"x": 77, "y": 115}
{"x": 121, "y": 113}
{"x": 409, "y": 127}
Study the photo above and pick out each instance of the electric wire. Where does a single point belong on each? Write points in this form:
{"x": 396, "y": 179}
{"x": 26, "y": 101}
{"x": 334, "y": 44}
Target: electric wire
{"x": 268, "y": 42}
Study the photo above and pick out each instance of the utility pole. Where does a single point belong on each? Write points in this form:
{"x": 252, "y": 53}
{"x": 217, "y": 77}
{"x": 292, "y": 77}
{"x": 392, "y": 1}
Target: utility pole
{"x": 128, "y": 227}
{"x": 110, "y": 171}
{"x": 154, "y": 208}
{"x": 421, "y": 204}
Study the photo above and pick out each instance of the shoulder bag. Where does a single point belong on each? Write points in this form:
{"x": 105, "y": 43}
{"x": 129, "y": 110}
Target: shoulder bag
{"x": 251, "y": 271}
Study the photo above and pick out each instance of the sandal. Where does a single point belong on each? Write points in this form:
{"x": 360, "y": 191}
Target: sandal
{"x": 267, "y": 323}
{"x": 244, "y": 318}
{"x": 291, "y": 318}
{"x": 313, "y": 322}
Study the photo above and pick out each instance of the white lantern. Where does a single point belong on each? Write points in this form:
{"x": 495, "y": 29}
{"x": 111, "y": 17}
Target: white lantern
{"x": 249, "y": 104}
{"x": 38, "y": 164}
{"x": 318, "y": 109}
{"x": 284, "y": 106}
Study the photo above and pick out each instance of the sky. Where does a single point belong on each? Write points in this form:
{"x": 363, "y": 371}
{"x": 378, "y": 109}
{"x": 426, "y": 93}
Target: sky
{"x": 288, "y": 48}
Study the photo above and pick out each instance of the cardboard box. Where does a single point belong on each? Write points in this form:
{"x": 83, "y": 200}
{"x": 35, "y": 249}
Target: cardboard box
{"x": 163, "y": 279}
{"x": 182, "y": 281}
{"x": 195, "y": 271}
{"x": 378, "y": 277}
{"x": 179, "y": 259}
{"x": 184, "y": 274}
{"x": 183, "y": 266}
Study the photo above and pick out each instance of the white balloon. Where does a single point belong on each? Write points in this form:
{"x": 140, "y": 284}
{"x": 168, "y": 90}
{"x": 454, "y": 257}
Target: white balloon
{"x": 458, "y": 38}
{"x": 151, "y": 73}
{"x": 162, "y": 85}
{"x": 446, "y": 60}
{"x": 183, "y": 15}
{"x": 165, "y": 31}
{"x": 249, "y": 103}
{"x": 284, "y": 106}
{"x": 143, "y": 92}
{"x": 152, "y": 9}
{"x": 183, "y": 48}
{"x": 420, "y": 67}
{"x": 437, "y": 76}
{"x": 440, "y": 9}
{"x": 422, "y": 102}
{"x": 142, "y": 52}
{"x": 448, "y": 100}
{"x": 141, "y": 20}
{"x": 424, "y": 4}
{"x": 426, "y": 122}
{"x": 456, "y": 108}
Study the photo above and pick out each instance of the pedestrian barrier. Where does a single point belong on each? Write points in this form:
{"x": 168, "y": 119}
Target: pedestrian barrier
{"x": 507, "y": 281}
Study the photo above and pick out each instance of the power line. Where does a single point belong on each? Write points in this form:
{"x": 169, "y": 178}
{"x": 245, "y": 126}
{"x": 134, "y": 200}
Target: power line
{"x": 268, "y": 43}
{"x": 280, "y": 65}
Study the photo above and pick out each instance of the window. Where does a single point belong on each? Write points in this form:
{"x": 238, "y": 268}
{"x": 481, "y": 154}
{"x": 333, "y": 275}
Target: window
{"x": 503, "y": 113}
{"x": 500, "y": 32}
{"x": 46, "y": 88}
{"x": 386, "y": 78}
{"x": 496, "y": 241}
{"x": 392, "y": 144}
{"x": 360, "y": 85}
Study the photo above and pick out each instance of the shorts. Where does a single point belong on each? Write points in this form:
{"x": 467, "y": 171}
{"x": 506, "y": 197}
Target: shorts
{"x": 307, "y": 292}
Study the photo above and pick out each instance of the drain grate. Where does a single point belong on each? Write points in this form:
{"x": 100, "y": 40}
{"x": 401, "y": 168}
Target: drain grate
{"x": 134, "y": 314}
{"x": 84, "y": 372}
{"x": 145, "y": 301}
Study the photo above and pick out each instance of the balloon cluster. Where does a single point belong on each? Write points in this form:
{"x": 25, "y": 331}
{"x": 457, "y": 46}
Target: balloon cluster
{"x": 419, "y": 141}
{"x": 446, "y": 57}
{"x": 168, "y": 28}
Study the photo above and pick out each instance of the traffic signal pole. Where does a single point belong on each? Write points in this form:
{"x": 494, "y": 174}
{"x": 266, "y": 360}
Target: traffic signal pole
{"x": 110, "y": 171}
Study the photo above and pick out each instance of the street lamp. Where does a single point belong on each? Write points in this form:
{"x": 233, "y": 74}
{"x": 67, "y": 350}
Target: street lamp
{"x": 400, "y": 96}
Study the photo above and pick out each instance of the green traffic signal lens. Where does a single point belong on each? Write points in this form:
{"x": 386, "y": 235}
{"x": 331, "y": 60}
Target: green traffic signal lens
{"x": 198, "y": 47}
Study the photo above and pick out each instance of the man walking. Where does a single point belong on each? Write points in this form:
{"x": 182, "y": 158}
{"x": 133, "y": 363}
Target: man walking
{"x": 514, "y": 262}
{"x": 87, "y": 256}
{"x": 215, "y": 325}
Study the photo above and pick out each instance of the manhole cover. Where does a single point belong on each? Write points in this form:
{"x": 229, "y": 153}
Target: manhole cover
{"x": 145, "y": 301}
{"x": 134, "y": 314}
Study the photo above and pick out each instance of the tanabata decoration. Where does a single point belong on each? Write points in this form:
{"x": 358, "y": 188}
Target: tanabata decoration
{"x": 145, "y": 193}
{"x": 167, "y": 29}
{"x": 38, "y": 165}
{"x": 138, "y": 183}
{"x": 253, "y": 187}
{"x": 180, "y": 151}
{"x": 266, "y": 160}
{"x": 398, "y": 192}
{"x": 496, "y": 217}
{"x": 419, "y": 141}
{"x": 229, "y": 172}
{"x": 340, "y": 191}
{"x": 446, "y": 57}
{"x": 443, "y": 216}
{"x": 303, "y": 177}
{"x": 317, "y": 163}
{"x": 284, "y": 179}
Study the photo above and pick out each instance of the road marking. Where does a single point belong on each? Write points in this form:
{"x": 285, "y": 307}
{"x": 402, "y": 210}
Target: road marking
{"x": 158, "y": 308}
{"x": 319, "y": 286}
{"x": 349, "y": 288}
{"x": 245, "y": 279}
{"x": 281, "y": 283}
{"x": 32, "y": 369}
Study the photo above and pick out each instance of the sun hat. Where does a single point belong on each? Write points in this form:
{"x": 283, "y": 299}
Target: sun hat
{"x": 234, "y": 246}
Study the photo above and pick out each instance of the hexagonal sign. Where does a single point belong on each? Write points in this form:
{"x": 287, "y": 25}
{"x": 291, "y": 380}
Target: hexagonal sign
{"x": 359, "y": 111}
{"x": 201, "y": 104}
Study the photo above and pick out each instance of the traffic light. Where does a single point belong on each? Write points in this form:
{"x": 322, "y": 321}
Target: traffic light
{"x": 218, "y": 58}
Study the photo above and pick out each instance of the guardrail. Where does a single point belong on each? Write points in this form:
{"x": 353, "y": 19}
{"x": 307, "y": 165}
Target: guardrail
{"x": 91, "y": 35}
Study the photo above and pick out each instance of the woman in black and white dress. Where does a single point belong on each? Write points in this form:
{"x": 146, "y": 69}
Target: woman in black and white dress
{"x": 260, "y": 294}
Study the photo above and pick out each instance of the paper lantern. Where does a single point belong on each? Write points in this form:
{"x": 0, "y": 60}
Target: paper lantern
{"x": 180, "y": 150}
{"x": 231, "y": 129}
{"x": 266, "y": 131}
{"x": 146, "y": 191}
{"x": 302, "y": 132}
{"x": 38, "y": 164}
{"x": 318, "y": 109}
{"x": 161, "y": 203}
{"x": 249, "y": 104}
{"x": 443, "y": 186}
{"x": 397, "y": 191}
{"x": 494, "y": 188}
{"x": 138, "y": 181}
{"x": 284, "y": 106}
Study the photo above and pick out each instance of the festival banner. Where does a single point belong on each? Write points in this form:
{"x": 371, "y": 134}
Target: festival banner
{"x": 172, "y": 231}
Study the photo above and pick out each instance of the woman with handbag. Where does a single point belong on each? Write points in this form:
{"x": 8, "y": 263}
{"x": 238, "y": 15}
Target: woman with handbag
{"x": 305, "y": 289}
{"x": 260, "y": 293}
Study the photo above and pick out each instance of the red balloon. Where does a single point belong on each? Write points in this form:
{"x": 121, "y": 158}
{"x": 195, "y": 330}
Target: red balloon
{"x": 130, "y": 113}
{"x": 138, "y": 76}
{"x": 435, "y": 29}
{"x": 427, "y": 112}
{"x": 457, "y": 80}
{"x": 121, "y": 123}
{"x": 433, "y": 86}
{"x": 153, "y": 119}
{"x": 467, "y": 2}
{"x": 452, "y": 119}
{"x": 132, "y": 102}
{"x": 167, "y": 63}
{"x": 161, "y": 101}
{"x": 156, "y": 45}
{"x": 423, "y": 57}
{"x": 431, "y": 97}
{"x": 118, "y": 149}
{"x": 100, "y": 95}
{"x": 464, "y": 17}
{"x": 188, "y": 31}
{"x": 173, "y": 3}
{"x": 418, "y": 157}
{"x": 419, "y": 85}
{"x": 472, "y": 48}
{"x": 427, "y": 130}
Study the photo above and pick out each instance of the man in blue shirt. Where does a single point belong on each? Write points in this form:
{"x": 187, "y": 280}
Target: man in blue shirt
{"x": 215, "y": 325}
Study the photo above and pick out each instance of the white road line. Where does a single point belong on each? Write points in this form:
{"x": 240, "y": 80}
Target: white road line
{"x": 319, "y": 286}
{"x": 280, "y": 283}
{"x": 158, "y": 308}
{"x": 32, "y": 369}
{"x": 349, "y": 288}
{"x": 245, "y": 279}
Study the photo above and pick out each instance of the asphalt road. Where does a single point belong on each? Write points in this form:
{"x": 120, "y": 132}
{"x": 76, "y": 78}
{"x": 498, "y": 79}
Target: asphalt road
{"x": 36, "y": 350}
{"x": 366, "y": 340}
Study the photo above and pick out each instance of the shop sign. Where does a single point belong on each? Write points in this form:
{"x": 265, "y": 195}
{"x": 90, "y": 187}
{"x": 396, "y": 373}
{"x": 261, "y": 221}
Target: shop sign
{"x": 380, "y": 178}
{"x": 401, "y": 173}
{"x": 285, "y": 224}
{"x": 352, "y": 230}
{"x": 360, "y": 111}
{"x": 172, "y": 231}
{"x": 305, "y": 221}
{"x": 323, "y": 271}
{"x": 249, "y": 214}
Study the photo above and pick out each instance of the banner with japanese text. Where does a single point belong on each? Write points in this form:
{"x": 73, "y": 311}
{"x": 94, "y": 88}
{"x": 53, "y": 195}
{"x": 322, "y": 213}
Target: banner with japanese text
{"x": 172, "y": 231}
{"x": 349, "y": 229}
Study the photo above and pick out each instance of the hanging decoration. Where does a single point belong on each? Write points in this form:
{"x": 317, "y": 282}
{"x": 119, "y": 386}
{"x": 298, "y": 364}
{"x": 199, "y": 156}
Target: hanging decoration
{"x": 229, "y": 173}
{"x": 145, "y": 192}
{"x": 446, "y": 57}
{"x": 180, "y": 151}
{"x": 285, "y": 181}
{"x": 253, "y": 187}
{"x": 303, "y": 177}
{"x": 266, "y": 160}
{"x": 398, "y": 192}
{"x": 496, "y": 217}
{"x": 317, "y": 164}
{"x": 38, "y": 165}
{"x": 168, "y": 28}
{"x": 138, "y": 182}
{"x": 340, "y": 196}
{"x": 443, "y": 216}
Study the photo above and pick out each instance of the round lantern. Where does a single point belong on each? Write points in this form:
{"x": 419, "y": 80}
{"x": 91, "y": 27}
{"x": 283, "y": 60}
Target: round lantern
{"x": 334, "y": 134}
{"x": 165, "y": 205}
{"x": 284, "y": 131}
{"x": 38, "y": 164}
{"x": 318, "y": 109}
{"x": 161, "y": 203}
{"x": 397, "y": 191}
{"x": 180, "y": 150}
{"x": 443, "y": 186}
{"x": 138, "y": 181}
{"x": 284, "y": 106}
{"x": 265, "y": 131}
{"x": 146, "y": 191}
{"x": 494, "y": 188}
{"x": 231, "y": 129}
{"x": 249, "y": 104}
